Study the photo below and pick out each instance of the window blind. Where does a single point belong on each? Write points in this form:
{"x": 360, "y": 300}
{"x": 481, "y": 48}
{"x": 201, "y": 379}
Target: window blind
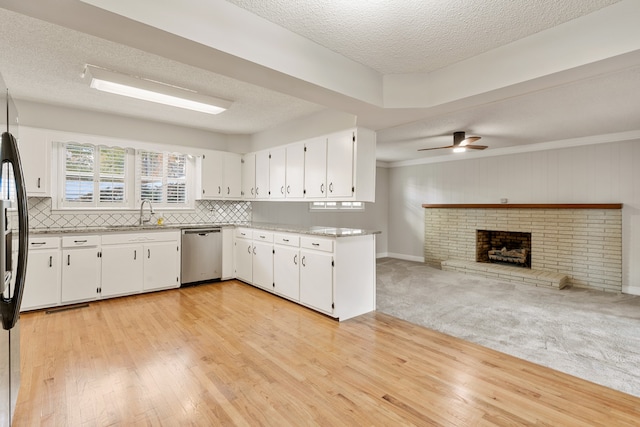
{"x": 79, "y": 173}
{"x": 111, "y": 181}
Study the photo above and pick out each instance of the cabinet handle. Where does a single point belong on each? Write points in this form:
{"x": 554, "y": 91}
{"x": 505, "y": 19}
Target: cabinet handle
{"x": 303, "y": 264}
{"x": 80, "y": 241}
{"x": 219, "y": 190}
{"x": 315, "y": 244}
{"x": 68, "y": 259}
{"x": 38, "y": 182}
{"x": 38, "y": 243}
{"x": 285, "y": 240}
{"x": 252, "y": 191}
{"x": 288, "y": 189}
{"x": 148, "y": 253}
{"x": 331, "y": 187}
{"x": 228, "y": 190}
{"x": 249, "y": 249}
{"x": 135, "y": 254}
{"x": 282, "y": 190}
{"x": 295, "y": 259}
{"x": 322, "y": 188}
{"x": 50, "y": 261}
{"x": 254, "y": 250}
{"x": 257, "y": 191}
{"x": 263, "y": 237}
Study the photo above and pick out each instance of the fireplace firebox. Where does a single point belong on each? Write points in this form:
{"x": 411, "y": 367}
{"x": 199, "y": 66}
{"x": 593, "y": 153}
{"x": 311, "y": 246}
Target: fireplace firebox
{"x": 505, "y": 247}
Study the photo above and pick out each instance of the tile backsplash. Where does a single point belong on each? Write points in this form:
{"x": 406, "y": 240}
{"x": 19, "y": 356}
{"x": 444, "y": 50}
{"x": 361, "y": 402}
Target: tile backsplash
{"x": 206, "y": 211}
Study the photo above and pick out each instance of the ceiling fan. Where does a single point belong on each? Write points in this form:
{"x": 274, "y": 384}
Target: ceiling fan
{"x": 460, "y": 143}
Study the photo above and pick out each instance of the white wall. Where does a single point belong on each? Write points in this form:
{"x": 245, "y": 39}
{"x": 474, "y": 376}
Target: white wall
{"x": 374, "y": 217}
{"x": 601, "y": 173}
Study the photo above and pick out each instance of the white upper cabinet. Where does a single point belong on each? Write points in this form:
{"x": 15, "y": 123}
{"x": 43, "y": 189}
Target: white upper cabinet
{"x": 315, "y": 168}
{"x": 221, "y": 175}
{"x": 340, "y": 167}
{"x": 340, "y": 148}
{"x": 262, "y": 175}
{"x": 35, "y": 156}
{"x": 211, "y": 174}
{"x": 249, "y": 176}
{"x": 232, "y": 175}
{"x": 277, "y": 173}
{"x": 294, "y": 171}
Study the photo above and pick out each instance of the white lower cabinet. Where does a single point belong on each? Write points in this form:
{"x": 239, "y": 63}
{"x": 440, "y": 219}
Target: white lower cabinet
{"x": 161, "y": 265}
{"x": 316, "y": 274}
{"x": 243, "y": 255}
{"x": 88, "y": 267}
{"x": 121, "y": 269}
{"x": 80, "y": 268}
{"x": 146, "y": 261}
{"x": 42, "y": 281}
{"x": 286, "y": 266}
{"x": 335, "y": 276}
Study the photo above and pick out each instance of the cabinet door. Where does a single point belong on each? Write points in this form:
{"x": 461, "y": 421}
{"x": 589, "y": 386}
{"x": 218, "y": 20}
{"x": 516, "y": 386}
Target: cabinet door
{"x": 121, "y": 269}
{"x": 161, "y": 265}
{"x": 243, "y": 260}
{"x": 295, "y": 171}
{"x": 263, "y": 265}
{"x": 315, "y": 168}
{"x": 249, "y": 176}
{"x": 340, "y": 164}
{"x": 232, "y": 176}
{"x": 316, "y": 280}
{"x": 80, "y": 274}
{"x": 286, "y": 272}
{"x": 212, "y": 175}
{"x": 35, "y": 157}
{"x": 262, "y": 175}
{"x": 277, "y": 173}
{"x": 42, "y": 282}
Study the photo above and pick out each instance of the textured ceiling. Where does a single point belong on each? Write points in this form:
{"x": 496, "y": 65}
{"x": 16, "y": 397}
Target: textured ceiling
{"x": 42, "y": 61}
{"x": 412, "y": 36}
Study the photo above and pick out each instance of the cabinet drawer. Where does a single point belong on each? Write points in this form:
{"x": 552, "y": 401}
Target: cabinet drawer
{"x": 317, "y": 243}
{"x": 287, "y": 239}
{"x": 243, "y": 233}
{"x": 263, "y": 236}
{"x": 44, "y": 243}
{"x": 80, "y": 241}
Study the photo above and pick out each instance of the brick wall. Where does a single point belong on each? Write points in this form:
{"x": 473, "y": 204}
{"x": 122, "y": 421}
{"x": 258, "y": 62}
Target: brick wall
{"x": 584, "y": 244}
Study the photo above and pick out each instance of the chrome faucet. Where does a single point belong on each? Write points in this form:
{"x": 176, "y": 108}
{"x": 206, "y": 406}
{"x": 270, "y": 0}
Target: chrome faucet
{"x": 142, "y": 219}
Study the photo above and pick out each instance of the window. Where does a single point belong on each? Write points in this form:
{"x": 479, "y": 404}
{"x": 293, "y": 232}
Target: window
{"x": 162, "y": 178}
{"x": 8, "y": 183}
{"x": 94, "y": 176}
{"x": 336, "y": 206}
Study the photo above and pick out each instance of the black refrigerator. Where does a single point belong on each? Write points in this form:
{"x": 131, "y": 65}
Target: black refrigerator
{"x": 13, "y": 255}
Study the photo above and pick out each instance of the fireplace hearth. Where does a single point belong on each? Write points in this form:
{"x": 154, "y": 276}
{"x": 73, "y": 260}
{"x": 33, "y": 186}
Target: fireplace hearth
{"x": 504, "y": 247}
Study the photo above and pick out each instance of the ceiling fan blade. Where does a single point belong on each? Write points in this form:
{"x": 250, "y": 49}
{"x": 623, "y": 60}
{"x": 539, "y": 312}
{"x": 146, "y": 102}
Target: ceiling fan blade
{"x": 477, "y": 147}
{"x": 470, "y": 140}
{"x": 435, "y": 148}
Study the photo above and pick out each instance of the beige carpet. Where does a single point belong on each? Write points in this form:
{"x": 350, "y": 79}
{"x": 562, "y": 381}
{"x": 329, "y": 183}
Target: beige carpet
{"x": 590, "y": 334}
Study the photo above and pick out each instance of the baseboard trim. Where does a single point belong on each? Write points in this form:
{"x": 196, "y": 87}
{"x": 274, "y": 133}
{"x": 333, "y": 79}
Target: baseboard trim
{"x": 631, "y": 290}
{"x": 406, "y": 257}
{"x": 382, "y": 255}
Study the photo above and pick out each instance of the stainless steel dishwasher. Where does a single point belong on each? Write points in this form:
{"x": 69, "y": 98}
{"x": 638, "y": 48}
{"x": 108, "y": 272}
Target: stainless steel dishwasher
{"x": 201, "y": 255}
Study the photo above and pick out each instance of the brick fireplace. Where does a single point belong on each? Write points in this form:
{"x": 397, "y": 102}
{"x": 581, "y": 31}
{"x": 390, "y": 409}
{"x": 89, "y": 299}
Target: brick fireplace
{"x": 577, "y": 245}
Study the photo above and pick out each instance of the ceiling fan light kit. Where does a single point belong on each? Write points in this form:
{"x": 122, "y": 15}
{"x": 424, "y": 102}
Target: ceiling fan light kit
{"x": 153, "y": 91}
{"x": 460, "y": 143}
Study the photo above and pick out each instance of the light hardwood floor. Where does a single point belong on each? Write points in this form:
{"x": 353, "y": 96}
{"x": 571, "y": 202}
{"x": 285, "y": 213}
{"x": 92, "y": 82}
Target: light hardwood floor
{"x": 229, "y": 354}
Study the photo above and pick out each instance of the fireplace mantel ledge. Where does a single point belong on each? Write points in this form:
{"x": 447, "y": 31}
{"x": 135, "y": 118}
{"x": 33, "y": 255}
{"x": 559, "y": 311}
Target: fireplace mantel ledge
{"x": 525, "y": 206}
